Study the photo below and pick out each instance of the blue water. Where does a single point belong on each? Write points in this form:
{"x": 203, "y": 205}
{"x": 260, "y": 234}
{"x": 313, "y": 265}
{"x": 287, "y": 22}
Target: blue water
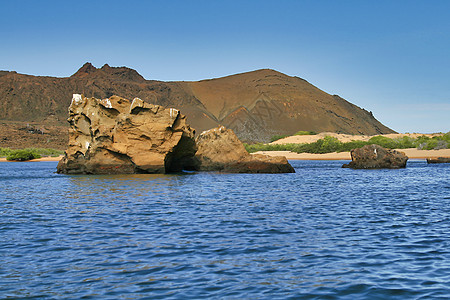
{"x": 323, "y": 232}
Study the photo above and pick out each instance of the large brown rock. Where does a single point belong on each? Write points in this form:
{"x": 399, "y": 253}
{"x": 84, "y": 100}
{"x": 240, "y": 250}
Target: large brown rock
{"x": 376, "y": 157}
{"x": 219, "y": 149}
{"x": 116, "y": 136}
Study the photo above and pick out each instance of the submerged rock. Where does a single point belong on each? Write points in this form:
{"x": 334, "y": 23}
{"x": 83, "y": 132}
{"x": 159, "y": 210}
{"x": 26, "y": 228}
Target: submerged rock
{"x": 376, "y": 157}
{"x": 439, "y": 160}
{"x": 116, "y": 136}
{"x": 219, "y": 149}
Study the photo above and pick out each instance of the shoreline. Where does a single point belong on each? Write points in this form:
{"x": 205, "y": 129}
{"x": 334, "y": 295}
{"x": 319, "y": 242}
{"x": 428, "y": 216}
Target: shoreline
{"x": 344, "y": 138}
{"x": 412, "y": 153}
{"x": 48, "y": 158}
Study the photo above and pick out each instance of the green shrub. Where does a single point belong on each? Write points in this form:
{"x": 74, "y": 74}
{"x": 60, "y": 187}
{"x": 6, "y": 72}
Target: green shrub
{"x": 436, "y": 142}
{"x": 277, "y": 137}
{"x": 405, "y": 142}
{"x": 383, "y": 142}
{"x": 4, "y": 152}
{"x": 441, "y": 144}
{"x": 270, "y": 147}
{"x": 325, "y": 145}
{"x": 47, "y": 151}
{"x": 28, "y": 153}
{"x": 421, "y": 140}
{"x": 253, "y": 147}
{"x": 431, "y": 144}
{"x": 446, "y": 137}
{"x": 330, "y": 144}
{"x": 302, "y": 132}
{"x": 22, "y": 155}
{"x": 347, "y": 147}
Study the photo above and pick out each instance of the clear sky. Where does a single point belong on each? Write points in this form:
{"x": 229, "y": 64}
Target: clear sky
{"x": 389, "y": 57}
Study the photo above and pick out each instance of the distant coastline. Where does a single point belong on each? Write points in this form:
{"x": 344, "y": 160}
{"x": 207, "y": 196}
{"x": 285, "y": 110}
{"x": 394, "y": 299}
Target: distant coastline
{"x": 49, "y": 158}
{"x": 411, "y": 153}
{"x": 300, "y": 139}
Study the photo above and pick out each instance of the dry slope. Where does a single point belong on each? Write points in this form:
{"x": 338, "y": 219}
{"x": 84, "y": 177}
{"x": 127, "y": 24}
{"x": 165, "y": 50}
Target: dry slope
{"x": 256, "y": 105}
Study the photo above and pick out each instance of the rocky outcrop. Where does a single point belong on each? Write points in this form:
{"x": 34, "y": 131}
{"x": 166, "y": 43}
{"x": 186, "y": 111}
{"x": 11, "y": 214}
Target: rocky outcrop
{"x": 376, "y": 157}
{"x": 219, "y": 149}
{"x": 439, "y": 160}
{"x": 117, "y": 136}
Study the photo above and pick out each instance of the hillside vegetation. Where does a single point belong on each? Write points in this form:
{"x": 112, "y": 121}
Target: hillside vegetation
{"x": 301, "y": 132}
{"x": 331, "y": 144}
{"x": 28, "y": 153}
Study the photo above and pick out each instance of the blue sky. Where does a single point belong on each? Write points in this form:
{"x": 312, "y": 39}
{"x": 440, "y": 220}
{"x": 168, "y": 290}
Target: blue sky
{"x": 389, "y": 57}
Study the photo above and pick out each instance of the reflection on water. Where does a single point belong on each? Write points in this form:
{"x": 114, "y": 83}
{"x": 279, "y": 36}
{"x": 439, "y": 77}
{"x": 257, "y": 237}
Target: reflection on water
{"x": 323, "y": 232}
{"x": 136, "y": 184}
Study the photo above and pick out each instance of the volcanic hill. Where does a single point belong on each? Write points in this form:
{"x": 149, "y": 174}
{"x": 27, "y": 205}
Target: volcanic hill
{"x": 256, "y": 105}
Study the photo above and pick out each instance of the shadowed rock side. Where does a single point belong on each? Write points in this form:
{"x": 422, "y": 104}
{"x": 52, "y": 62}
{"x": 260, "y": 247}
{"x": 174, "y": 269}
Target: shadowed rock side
{"x": 116, "y": 136}
{"x": 376, "y": 157}
{"x": 219, "y": 149}
{"x": 439, "y": 160}
{"x": 256, "y": 105}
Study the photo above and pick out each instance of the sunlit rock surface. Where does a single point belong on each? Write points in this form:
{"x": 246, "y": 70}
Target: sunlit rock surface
{"x": 219, "y": 149}
{"x": 118, "y": 136}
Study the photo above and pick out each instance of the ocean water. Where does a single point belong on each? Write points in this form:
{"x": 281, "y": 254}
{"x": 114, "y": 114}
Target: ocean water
{"x": 321, "y": 233}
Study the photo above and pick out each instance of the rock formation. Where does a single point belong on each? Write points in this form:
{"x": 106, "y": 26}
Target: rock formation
{"x": 219, "y": 149}
{"x": 376, "y": 157}
{"x": 259, "y": 163}
{"x": 255, "y": 105}
{"x": 439, "y": 160}
{"x": 114, "y": 135}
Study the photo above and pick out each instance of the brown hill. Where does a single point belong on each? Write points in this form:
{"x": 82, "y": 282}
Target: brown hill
{"x": 263, "y": 103}
{"x": 256, "y": 105}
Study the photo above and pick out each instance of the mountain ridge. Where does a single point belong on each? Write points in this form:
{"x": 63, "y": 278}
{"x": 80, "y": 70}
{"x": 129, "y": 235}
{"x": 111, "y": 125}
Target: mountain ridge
{"x": 256, "y": 104}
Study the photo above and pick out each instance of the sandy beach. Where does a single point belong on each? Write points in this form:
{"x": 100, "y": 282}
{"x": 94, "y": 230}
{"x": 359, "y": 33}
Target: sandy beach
{"x": 411, "y": 153}
{"x": 301, "y": 139}
{"x": 57, "y": 158}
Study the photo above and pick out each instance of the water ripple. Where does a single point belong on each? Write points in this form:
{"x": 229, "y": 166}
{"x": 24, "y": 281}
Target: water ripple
{"x": 321, "y": 233}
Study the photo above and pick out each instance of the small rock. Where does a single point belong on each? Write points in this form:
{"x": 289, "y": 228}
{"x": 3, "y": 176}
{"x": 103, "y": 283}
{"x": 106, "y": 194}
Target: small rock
{"x": 439, "y": 160}
{"x": 259, "y": 163}
{"x": 376, "y": 157}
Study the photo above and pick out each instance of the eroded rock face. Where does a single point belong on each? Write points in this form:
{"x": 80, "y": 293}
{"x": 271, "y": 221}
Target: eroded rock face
{"x": 117, "y": 136}
{"x": 376, "y": 157}
{"x": 219, "y": 149}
